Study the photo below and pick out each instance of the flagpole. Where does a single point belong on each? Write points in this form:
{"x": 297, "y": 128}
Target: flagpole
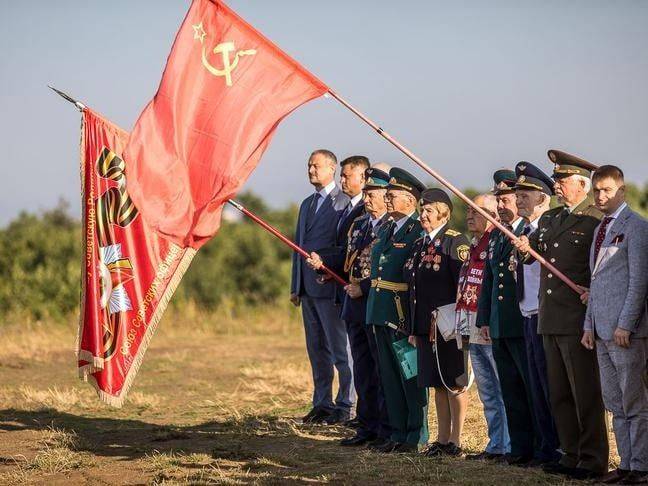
{"x": 285, "y": 240}
{"x": 455, "y": 190}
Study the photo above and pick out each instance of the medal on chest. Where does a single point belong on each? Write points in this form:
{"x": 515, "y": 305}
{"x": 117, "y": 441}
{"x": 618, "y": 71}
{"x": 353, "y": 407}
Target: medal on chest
{"x": 513, "y": 263}
{"x": 430, "y": 258}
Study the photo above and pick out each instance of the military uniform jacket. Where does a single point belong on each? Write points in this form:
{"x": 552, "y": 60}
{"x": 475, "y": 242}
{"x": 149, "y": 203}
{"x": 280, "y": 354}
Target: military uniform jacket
{"x": 387, "y": 303}
{"x": 498, "y": 305}
{"x": 432, "y": 271}
{"x": 334, "y": 256}
{"x": 566, "y": 245}
{"x": 357, "y": 265}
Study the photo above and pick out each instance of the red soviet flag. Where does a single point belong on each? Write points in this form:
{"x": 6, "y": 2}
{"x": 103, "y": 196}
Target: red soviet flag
{"x": 224, "y": 90}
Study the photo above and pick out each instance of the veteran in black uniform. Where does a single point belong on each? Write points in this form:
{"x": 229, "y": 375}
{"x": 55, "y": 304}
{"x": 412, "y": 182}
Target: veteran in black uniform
{"x": 433, "y": 273}
{"x": 564, "y": 237}
{"x": 387, "y": 308}
{"x": 371, "y": 411}
{"x": 499, "y": 319}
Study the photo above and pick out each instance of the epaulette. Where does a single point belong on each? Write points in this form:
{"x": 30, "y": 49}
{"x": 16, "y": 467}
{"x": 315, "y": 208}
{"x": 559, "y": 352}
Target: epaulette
{"x": 451, "y": 232}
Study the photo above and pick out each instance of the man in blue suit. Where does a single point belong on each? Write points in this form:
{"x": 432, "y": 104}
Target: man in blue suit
{"x": 326, "y": 338}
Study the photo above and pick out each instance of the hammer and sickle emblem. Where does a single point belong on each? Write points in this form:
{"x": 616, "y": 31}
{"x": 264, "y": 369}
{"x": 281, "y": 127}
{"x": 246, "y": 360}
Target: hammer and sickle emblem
{"x": 224, "y": 49}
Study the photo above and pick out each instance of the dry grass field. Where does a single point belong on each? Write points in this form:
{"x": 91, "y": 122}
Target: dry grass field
{"x": 217, "y": 401}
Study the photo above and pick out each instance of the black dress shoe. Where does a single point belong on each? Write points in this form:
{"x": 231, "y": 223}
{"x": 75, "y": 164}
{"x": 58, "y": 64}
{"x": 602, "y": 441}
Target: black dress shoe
{"x": 614, "y": 476}
{"x": 353, "y": 423}
{"x": 557, "y": 468}
{"x": 404, "y": 448}
{"x": 484, "y": 456}
{"x": 358, "y": 439}
{"x": 452, "y": 450}
{"x": 435, "y": 449}
{"x": 635, "y": 477}
{"x": 387, "y": 447}
{"x": 336, "y": 417}
{"x": 513, "y": 460}
{"x": 582, "y": 474}
{"x": 316, "y": 415}
{"x": 377, "y": 443}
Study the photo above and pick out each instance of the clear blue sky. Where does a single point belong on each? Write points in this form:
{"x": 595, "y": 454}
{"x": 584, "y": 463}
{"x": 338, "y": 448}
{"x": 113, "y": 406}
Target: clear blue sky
{"x": 470, "y": 86}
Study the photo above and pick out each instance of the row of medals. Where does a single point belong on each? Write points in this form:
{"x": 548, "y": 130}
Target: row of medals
{"x": 429, "y": 258}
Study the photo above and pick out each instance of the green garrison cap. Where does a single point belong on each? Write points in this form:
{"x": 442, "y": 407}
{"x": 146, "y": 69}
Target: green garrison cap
{"x": 531, "y": 178}
{"x": 376, "y": 179}
{"x": 403, "y": 180}
{"x": 504, "y": 181}
{"x": 567, "y": 165}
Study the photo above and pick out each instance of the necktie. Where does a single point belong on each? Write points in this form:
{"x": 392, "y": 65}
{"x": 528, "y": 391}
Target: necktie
{"x": 600, "y": 236}
{"x": 563, "y": 215}
{"x": 390, "y": 230}
{"x": 344, "y": 216}
{"x": 312, "y": 210}
{"x": 519, "y": 270}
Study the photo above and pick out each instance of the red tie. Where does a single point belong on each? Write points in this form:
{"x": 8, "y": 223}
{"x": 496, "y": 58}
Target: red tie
{"x": 600, "y": 236}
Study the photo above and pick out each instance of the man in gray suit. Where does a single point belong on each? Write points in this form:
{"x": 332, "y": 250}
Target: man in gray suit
{"x": 326, "y": 337}
{"x": 616, "y": 321}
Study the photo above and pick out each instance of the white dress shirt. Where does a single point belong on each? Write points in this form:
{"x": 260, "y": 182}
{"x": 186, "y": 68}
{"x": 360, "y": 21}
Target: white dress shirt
{"x": 434, "y": 232}
{"x": 355, "y": 200}
{"x": 614, "y": 217}
{"x": 529, "y": 303}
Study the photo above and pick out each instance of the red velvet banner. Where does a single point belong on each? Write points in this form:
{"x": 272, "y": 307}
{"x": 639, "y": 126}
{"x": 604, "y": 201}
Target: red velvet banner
{"x": 129, "y": 273}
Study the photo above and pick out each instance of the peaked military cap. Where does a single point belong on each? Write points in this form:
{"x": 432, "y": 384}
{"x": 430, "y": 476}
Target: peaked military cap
{"x": 376, "y": 179}
{"x": 567, "y": 165}
{"x": 403, "y": 180}
{"x": 504, "y": 181}
{"x": 434, "y": 194}
{"x": 531, "y": 178}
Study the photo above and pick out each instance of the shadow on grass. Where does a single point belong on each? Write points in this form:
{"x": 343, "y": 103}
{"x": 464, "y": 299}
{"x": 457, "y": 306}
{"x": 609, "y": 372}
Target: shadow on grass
{"x": 244, "y": 439}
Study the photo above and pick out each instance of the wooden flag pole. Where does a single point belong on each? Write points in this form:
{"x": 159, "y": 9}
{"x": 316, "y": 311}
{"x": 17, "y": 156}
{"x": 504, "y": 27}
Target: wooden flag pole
{"x": 456, "y": 191}
{"x": 287, "y": 241}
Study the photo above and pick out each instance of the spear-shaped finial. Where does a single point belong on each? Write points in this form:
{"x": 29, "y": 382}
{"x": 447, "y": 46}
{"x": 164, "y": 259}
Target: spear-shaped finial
{"x": 80, "y": 106}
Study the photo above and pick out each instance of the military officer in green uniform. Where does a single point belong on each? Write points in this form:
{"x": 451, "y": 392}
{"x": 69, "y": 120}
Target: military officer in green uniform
{"x": 387, "y": 305}
{"x": 500, "y": 320}
{"x": 564, "y": 237}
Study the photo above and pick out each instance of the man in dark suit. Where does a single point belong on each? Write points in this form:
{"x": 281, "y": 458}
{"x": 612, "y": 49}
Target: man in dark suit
{"x": 326, "y": 338}
{"x": 500, "y": 320}
{"x": 564, "y": 237}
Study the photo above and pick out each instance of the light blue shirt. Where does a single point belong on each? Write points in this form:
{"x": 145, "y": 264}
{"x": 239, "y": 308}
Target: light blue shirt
{"x": 529, "y": 303}
{"x": 324, "y": 192}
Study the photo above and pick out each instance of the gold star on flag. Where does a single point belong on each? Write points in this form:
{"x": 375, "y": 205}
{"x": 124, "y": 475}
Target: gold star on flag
{"x": 199, "y": 32}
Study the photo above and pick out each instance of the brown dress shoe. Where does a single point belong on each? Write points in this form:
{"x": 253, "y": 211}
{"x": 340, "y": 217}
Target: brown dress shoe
{"x": 614, "y": 476}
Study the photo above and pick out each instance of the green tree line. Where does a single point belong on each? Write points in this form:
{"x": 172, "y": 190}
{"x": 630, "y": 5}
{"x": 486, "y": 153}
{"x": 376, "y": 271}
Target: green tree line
{"x": 40, "y": 257}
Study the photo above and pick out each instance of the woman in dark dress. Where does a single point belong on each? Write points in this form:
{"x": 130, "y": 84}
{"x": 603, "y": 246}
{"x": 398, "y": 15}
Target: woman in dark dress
{"x": 433, "y": 273}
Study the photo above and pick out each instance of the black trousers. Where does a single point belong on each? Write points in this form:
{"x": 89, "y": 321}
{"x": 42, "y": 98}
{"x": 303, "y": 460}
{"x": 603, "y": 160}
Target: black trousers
{"x": 546, "y": 435}
{"x": 576, "y": 402}
{"x": 513, "y": 371}
{"x": 366, "y": 379}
